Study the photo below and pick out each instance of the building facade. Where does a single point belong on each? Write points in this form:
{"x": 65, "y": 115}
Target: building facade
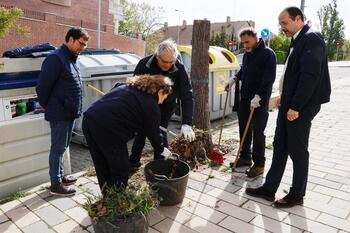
{"x": 49, "y": 20}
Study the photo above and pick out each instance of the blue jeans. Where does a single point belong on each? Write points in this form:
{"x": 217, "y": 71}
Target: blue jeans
{"x": 61, "y": 134}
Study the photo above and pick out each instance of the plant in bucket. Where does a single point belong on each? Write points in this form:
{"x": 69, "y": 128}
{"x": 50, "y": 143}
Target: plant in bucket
{"x": 122, "y": 210}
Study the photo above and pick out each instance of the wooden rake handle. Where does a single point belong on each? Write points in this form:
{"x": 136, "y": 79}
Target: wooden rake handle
{"x": 243, "y": 138}
{"x": 223, "y": 118}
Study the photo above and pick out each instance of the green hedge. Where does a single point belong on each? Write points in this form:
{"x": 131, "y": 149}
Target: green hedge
{"x": 281, "y": 56}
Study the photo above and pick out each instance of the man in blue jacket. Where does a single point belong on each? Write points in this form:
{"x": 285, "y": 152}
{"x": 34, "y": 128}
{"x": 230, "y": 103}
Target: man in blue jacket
{"x": 256, "y": 75}
{"x": 165, "y": 62}
{"x": 59, "y": 93}
{"x": 304, "y": 86}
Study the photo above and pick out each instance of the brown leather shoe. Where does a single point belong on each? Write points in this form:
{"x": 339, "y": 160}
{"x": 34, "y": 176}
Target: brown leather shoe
{"x": 61, "y": 190}
{"x": 260, "y": 192}
{"x": 68, "y": 180}
{"x": 288, "y": 202}
{"x": 254, "y": 171}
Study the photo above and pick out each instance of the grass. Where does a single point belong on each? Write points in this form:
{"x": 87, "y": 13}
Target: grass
{"x": 90, "y": 171}
{"x": 210, "y": 177}
{"x": 15, "y": 196}
{"x": 225, "y": 169}
{"x": 122, "y": 203}
{"x": 269, "y": 146}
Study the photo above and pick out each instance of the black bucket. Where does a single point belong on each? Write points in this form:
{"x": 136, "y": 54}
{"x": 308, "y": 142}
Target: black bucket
{"x": 169, "y": 178}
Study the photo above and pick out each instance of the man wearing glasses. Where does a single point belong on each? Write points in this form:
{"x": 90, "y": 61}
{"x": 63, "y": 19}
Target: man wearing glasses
{"x": 165, "y": 62}
{"x": 59, "y": 93}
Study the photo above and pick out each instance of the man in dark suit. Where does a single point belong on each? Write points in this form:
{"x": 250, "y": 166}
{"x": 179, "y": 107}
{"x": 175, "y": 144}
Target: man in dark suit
{"x": 304, "y": 86}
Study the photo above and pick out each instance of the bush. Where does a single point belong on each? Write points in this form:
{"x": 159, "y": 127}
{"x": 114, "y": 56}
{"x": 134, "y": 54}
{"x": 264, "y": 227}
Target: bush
{"x": 280, "y": 56}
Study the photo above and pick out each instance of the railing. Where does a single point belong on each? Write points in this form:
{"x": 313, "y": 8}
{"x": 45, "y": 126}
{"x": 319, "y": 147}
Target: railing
{"x": 59, "y": 19}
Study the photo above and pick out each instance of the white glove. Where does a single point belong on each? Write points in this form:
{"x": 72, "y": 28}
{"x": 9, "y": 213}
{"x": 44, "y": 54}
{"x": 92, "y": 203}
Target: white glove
{"x": 188, "y": 133}
{"x": 254, "y": 103}
{"x": 230, "y": 84}
{"x": 166, "y": 153}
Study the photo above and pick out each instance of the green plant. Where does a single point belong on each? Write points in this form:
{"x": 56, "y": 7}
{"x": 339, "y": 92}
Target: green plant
{"x": 90, "y": 171}
{"x": 269, "y": 146}
{"x": 122, "y": 203}
{"x": 14, "y": 197}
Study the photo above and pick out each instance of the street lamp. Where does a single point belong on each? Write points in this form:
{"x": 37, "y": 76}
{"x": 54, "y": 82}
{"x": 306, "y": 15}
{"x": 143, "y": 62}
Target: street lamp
{"x": 98, "y": 23}
{"x": 178, "y": 27}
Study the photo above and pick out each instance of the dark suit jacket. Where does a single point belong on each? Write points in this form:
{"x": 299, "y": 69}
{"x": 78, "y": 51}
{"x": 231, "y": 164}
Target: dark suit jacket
{"x": 306, "y": 80}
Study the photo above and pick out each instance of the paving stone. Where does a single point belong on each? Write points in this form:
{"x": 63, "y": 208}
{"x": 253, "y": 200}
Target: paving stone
{"x": 151, "y": 230}
{"x": 335, "y": 222}
{"x": 69, "y": 227}
{"x": 239, "y": 226}
{"x": 205, "y": 212}
{"x": 34, "y": 202}
{"x": 38, "y": 227}
{"x": 168, "y": 225}
{"x": 327, "y": 208}
{"x": 224, "y": 185}
{"x": 319, "y": 197}
{"x": 228, "y": 197}
{"x": 175, "y": 213}
{"x": 11, "y": 205}
{"x": 44, "y": 193}
{"x": 22, "y": 216}
{"x": 81, "y": 181}
{"x": 323, "y": 182}
{"x": 338, "y": 179}
{"x": 334, "y": 171}
{"x": 308, "y": 225}
{"x": 333, "y": 192}
{"x": 235, "y": 211}
{"x": 81, "y": 198}
{"x": 155, "y": 217}
{"x": 345, "y": 188}
{"x": 203, "y": 226}
{"x": 91, "y": 188}
{"x": 9, "y": 227}
{"x": 265, "y": 210}
{"x": 80, "y": 215}
{"x": 273, "y": 225}
{"x": 3, "y": 217}
{"x": 51, "y": 215}
{"x": 201, "y": 197}
{"x": 199, "y": 186}
{"x": 62, "y": 203}
{"x": 339, "y": 203}
{"x": 90, "y": 229}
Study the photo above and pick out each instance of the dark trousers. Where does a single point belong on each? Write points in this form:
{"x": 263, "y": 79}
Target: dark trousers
{"x": 109, "y": 155}
{"x": 139, "y": 142}
{"x": 255, "y": 132}
{"x": 291, "y": 138}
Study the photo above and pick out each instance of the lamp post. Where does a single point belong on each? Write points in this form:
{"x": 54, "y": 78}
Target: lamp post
{"x": 178, "y": 27}
{"x": 99, "y": 24}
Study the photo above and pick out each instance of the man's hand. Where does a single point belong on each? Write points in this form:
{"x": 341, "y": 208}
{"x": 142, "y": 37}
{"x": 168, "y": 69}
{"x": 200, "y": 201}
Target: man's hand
{"x": 166, "y": 153}
{"x": 254, "y": 103}
{"x": 188, "y": 133}
{"x": 230, "y": 84}
{"x": 292, "y": 115}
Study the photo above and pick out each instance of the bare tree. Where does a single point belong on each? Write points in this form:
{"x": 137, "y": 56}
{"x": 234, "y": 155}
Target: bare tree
{"x": 200, "y": 73}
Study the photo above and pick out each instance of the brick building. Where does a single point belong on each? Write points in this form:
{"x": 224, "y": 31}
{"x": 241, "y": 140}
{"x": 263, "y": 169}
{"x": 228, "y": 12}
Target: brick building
{"x": 231, "y": 28}
{"x": 49, "y": 20}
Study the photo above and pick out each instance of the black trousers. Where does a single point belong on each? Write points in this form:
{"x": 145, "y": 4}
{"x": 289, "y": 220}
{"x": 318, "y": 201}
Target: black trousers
{"x": 255, "y": 132}
{"x": 139, "y": 142}
{"x": 109, "y": 155}
{"x": 291, "y": 138}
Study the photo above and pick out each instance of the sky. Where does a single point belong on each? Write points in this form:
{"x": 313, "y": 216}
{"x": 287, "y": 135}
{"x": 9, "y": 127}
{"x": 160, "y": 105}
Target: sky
{"x": 264, "y": 13}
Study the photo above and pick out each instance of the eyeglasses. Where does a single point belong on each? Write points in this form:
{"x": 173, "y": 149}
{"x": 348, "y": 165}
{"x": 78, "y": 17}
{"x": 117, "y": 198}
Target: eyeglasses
{"x": 164, "y": 61}
{"x": 82, "y": 43}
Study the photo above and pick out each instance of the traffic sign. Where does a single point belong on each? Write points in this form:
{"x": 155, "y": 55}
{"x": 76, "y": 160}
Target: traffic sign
{"x": 265, "y": 33}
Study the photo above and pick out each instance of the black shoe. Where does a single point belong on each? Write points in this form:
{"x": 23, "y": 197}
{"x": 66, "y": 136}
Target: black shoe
{"x": 61, "y": 190}
{"x": 68, "y": 180}
{"x": 134, "y": 167}
{"x": 288, "y": 202}
{"x": 260, "y": 192}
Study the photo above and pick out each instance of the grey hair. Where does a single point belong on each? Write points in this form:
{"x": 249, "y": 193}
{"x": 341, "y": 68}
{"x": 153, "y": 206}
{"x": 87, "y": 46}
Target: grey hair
{"x": 168, "y": 45}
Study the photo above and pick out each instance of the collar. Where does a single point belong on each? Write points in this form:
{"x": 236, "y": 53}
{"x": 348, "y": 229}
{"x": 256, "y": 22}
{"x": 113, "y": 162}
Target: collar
{"x": 69, "y": 53}
{"x": 152, "y": 62}
{"x": 259, "y": 46}
{"x": 299, "y": 34}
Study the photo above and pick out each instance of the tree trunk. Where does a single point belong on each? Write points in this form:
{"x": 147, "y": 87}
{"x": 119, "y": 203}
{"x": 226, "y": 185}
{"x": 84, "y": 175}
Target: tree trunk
{"x": 200, "y": 73}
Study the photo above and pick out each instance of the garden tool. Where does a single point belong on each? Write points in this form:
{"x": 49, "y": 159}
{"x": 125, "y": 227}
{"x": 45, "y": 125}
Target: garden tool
{"x": 215, "y": 154}
{"x": 233, "y": 165}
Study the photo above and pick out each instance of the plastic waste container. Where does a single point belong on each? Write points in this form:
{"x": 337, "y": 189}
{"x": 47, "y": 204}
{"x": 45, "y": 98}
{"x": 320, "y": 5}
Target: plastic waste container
{"x": 101, "y": 70}
{"x": 223, "y": 65}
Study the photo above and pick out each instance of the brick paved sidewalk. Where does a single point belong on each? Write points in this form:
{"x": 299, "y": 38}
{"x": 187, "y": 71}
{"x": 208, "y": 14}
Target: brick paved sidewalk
{"x": 219, "y": 204}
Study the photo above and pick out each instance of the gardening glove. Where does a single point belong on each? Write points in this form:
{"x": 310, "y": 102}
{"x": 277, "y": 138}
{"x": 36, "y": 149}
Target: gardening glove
{"x": 254, "y": 103}
{"x": 230, "y": 84}
{"x": 188, "y": 133}
{"x": 166, "y": 153}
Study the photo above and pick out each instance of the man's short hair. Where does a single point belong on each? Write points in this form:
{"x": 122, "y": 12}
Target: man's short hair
{"x": 248, "y": 32}
{"x": 294, "y": 11}
{"x": 76, "y": 33}
{"x": 169, "y": 45}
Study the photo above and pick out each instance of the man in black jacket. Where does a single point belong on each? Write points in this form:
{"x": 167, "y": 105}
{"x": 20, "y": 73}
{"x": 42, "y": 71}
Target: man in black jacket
{"x": 304, "y": 86}
{"x": 59, "y": 92}
{"x": 256, "y": 75}
{"x": 165, "y": 62}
